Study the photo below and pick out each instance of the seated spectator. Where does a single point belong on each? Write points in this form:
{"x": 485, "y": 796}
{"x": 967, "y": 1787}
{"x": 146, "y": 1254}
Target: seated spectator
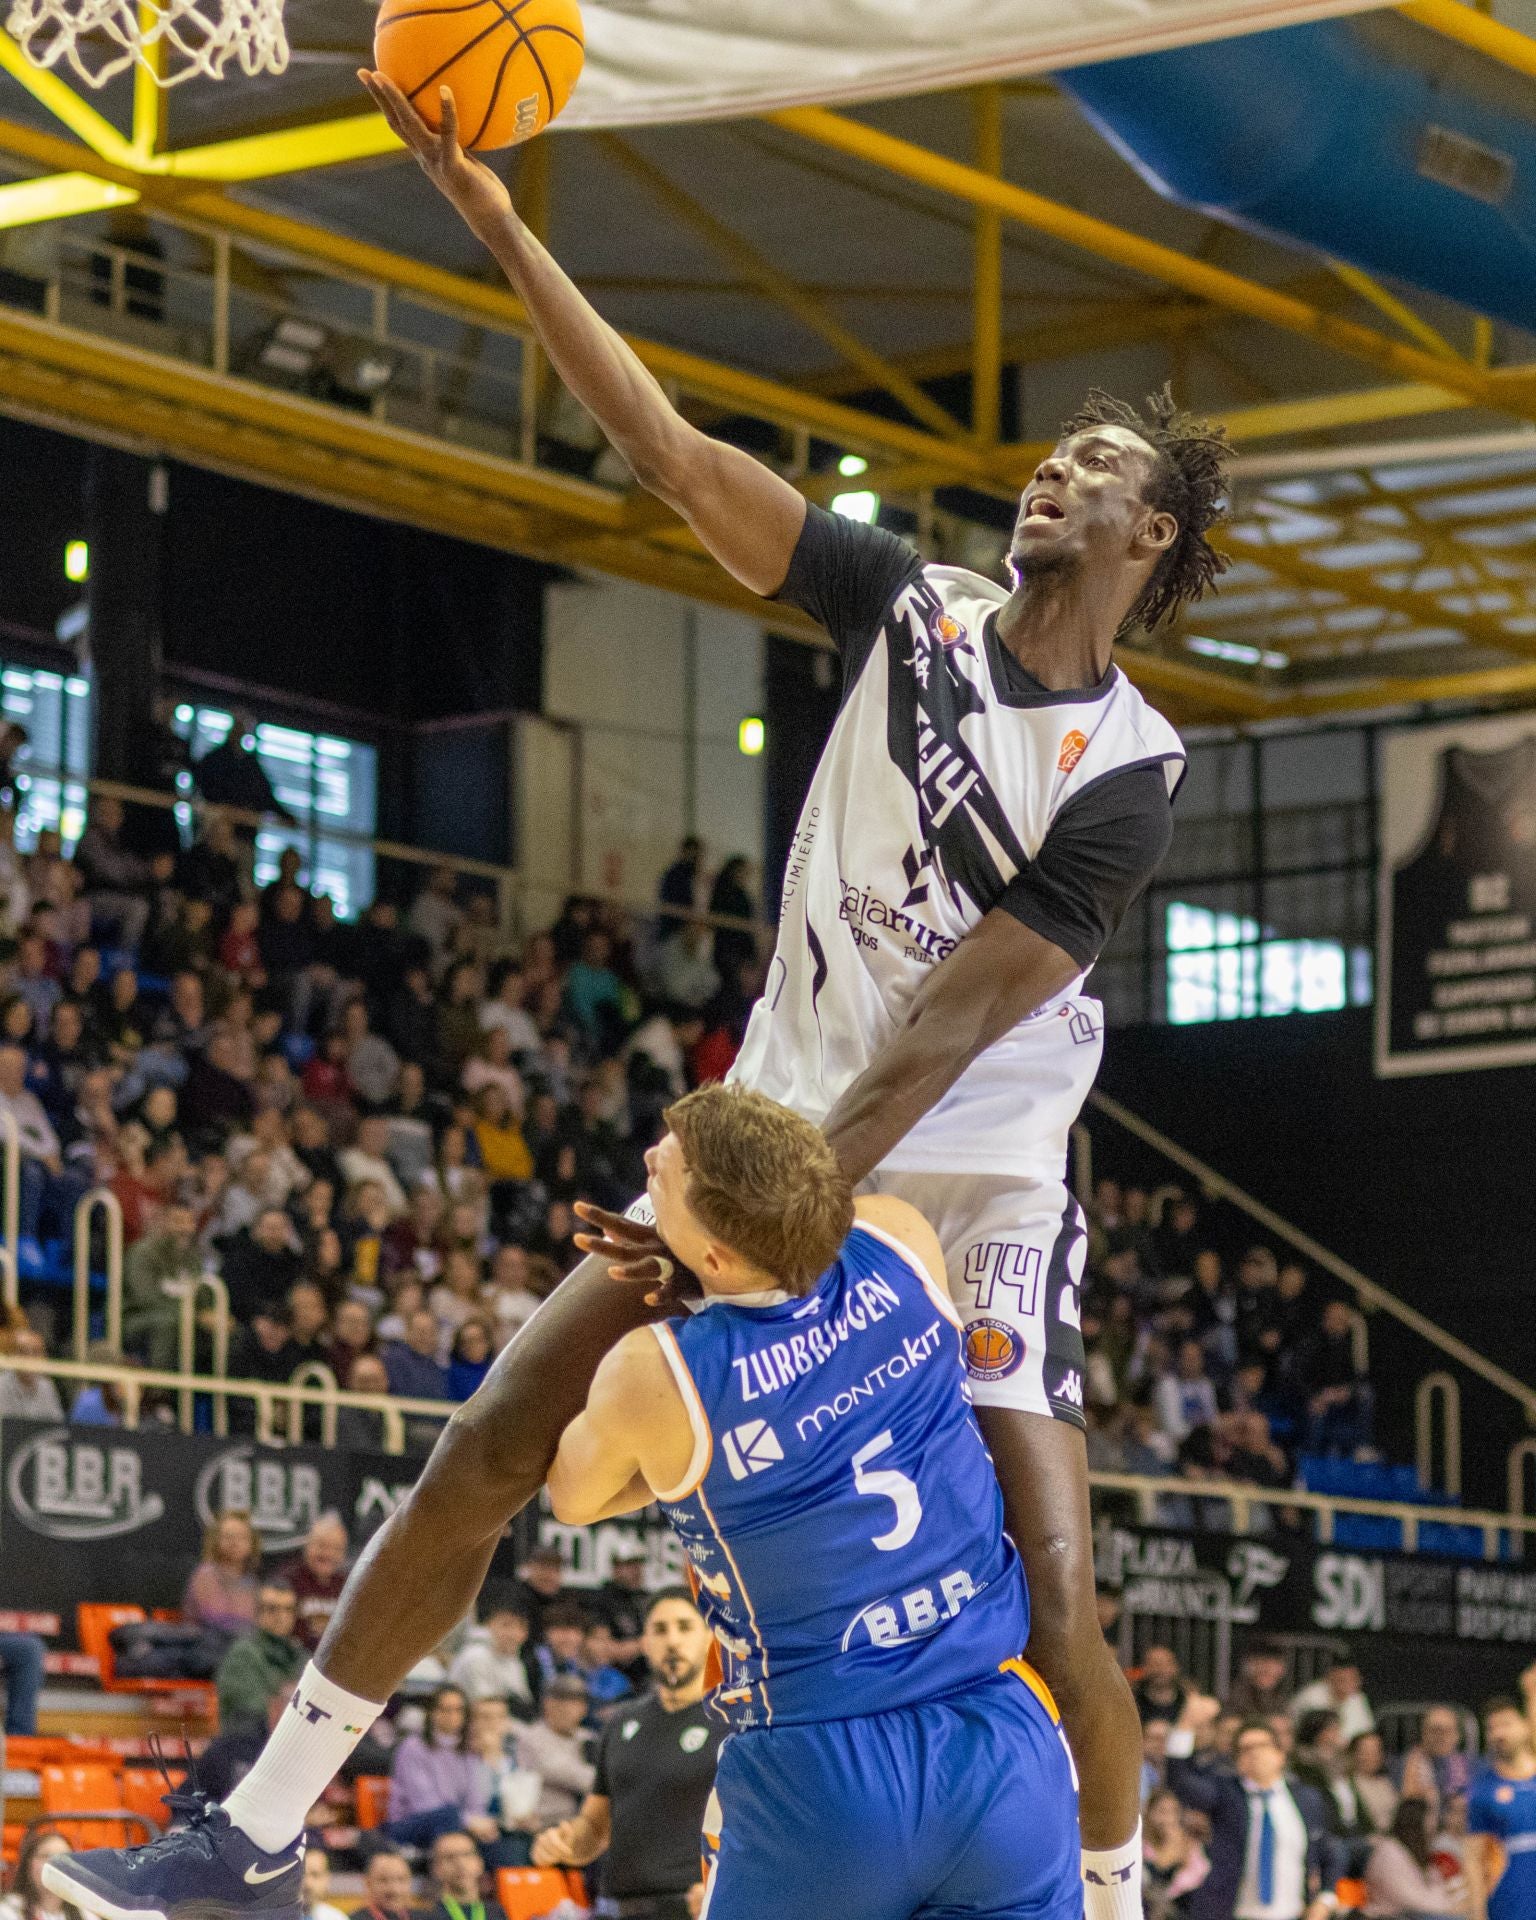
{"x": 412, "y": 1115}
{"x": 317, "y": 1884}
{"x": 261, "y": 1263}
{"x": 221, "y": 1592}
{"x": 29, "y": 1899}
{"x": 499, "y": 1666}
{"x": 157, "y": 1271}
{"x": 366, "y": 1161}
{"x": 491, "y": 1066}
{"x": 507, "y": 1010}
{"x": 1319, "y": 1760}
{"x": 435, "y": 912}
{"x": 50, "y": 1190}
{"x": 458, "y": 1019}
{"x": 351, "y": 1335}
{"x": 1400, "y": 1876}
{"x": 373, "y": 1066}
{"x": 683, "y": 968}
{"x": 259, "y": 1662}
{"x": 563, "y": 1630}
{"x": 317, "y": 1577}
{"x": 1173, "y": 1861}
{"x": 1438, "y": 1767}
{"x": 1261, "y": 1682}
{"x": 511, "y": 1300}
{"x": 457, "y": 1296}
{"x": 21, "y": 1667}
{"x": 1185, "y": 1398}
{"x": 594, "y": 995}
{"x": 436, "y": 1785}
{"x": 1340, "y": 1404}
{"x": 1340, "y": 1691}
{"x": 358, "y": 1429}
{"x": 1160, "y": 1692}
{"x": 503, "y": 1150}
{"x": 118, "y": 884}
{"x": 217, "y": 1099}
{"x": 541, "y": 1583}
{"x": 387, "y": 1891}
{"x": 458, "y": 1879}
{"x": 606, "y": 1681}
{"x": 556, "y": 1748}
{"x": 470, "y": 1358}
{"x": 412, "y": 1365}
{"x": 1374, "y": 1789}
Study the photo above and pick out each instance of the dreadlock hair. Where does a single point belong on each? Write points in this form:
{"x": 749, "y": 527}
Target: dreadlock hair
{"x": 1189, "y": 481}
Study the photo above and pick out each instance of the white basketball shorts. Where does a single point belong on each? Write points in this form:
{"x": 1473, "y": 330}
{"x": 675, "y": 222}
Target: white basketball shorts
{"x": 1015, "y": 1250}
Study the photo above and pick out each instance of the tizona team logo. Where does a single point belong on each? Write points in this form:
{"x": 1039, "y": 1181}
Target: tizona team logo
{"x": 1073, "y": 746}
{"x": 949, "y": 631}
{"x": 993, "y": 1350}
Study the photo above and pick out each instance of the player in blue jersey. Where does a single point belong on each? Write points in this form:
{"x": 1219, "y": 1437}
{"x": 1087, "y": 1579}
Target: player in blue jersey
{"x": 1501, "y": 1814}
{"x": 810, "y": 1437}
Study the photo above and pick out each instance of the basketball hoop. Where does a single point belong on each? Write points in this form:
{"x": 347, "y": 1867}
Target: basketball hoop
{"x": 172, "y": 40}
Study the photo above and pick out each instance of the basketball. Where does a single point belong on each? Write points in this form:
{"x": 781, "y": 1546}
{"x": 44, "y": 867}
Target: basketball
{"x": 511, "y": 64}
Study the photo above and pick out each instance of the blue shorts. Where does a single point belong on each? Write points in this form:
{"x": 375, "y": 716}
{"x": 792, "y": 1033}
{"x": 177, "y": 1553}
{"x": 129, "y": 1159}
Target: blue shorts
{"x": 965, "y": 1806}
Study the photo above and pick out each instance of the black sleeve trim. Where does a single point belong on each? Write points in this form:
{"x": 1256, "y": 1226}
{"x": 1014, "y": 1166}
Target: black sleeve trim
{"x": 845, "y": 575}
{"x": 1101, "y": 850}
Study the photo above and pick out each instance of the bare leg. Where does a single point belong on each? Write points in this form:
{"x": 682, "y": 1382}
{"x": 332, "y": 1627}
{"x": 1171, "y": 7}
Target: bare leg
{"x": 422, "y": 1570}
{"x": 1042, "y": 1466}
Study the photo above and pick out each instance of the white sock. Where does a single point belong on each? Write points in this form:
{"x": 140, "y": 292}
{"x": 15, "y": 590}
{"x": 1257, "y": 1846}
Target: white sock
{"x": 1112, "y": 1881}
{"x": 320, "y": 1726}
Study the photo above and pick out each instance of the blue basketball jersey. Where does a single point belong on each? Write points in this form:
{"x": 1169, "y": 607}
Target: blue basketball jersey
{"x": 841, "y": 1512}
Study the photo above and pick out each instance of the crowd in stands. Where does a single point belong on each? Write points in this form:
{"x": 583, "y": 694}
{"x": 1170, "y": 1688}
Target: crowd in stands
{"x": 1210, "y": 1360}
{"x": 1221, "y": 1779}
{"x": 373, "y": 1132}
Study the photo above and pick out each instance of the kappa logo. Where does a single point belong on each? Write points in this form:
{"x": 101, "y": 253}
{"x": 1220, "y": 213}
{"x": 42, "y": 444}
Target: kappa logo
{"x": 629, "y": 1729}
{"x": 751, "y": 1448}
{"x": 992, "y": 1350}
{"x": 692, "y": 1738}
{"x": 1070, "y": 1388}
{"x": 1073, "y": 746}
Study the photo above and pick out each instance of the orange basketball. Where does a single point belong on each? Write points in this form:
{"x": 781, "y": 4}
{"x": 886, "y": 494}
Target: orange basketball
{"x": 511, "y": 64}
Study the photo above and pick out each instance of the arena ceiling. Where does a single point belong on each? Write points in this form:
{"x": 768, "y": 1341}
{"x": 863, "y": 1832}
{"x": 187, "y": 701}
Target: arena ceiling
{"x": 928, "y": 283}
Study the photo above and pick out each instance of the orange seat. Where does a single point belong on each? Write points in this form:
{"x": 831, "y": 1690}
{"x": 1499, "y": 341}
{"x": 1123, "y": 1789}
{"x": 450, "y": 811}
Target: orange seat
{"x": 1351, "y": 1894}
{"x": 529, "y": 1893}
{"x": 94, "y": 1621}
{"x": 144, "y": 1793}
{"x": 85, "y": 1789}
{"x": 11, "y": 1838}
{"x": 371, "y": 1799}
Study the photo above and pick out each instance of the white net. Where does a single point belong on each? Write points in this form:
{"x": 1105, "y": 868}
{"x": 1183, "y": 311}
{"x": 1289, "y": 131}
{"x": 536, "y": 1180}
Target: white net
{"x": 173, "y": 40}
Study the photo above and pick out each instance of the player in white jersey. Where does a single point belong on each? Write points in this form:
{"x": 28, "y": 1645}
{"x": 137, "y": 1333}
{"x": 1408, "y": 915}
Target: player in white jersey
{"x": 993, "y": 797}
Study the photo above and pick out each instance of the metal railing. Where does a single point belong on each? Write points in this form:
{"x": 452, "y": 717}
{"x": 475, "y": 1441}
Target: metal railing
{"x": 10, "y": 1148}
{"x": 1241, "y": 1499}
{"x": 192, "y": 1287}
{"x": 1370, "y": 1293}
{"x": 104, "y": 1201}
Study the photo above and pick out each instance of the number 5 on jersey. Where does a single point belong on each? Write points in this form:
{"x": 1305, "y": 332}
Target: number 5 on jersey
{"x": 887, "y": 1484}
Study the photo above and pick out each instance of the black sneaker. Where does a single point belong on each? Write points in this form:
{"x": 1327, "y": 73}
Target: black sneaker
{"x": 205, "y": 1870}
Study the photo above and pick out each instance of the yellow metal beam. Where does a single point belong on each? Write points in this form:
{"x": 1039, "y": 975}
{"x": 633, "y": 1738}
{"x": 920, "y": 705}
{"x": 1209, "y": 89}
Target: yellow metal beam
{"x": 150, "y": 100}
{"x": 263, "y": 156}
{"x": 1131, "y": 252}
{"x": 57, "y": 196}
{"x": 1492, "y": 683}
{"x": 780, "y": 287}
{"x": 1476, "y": 30}
{"x": 66, "y": 106}
{"x": 987, "y": 274}
{"x": 1397, "y": 311}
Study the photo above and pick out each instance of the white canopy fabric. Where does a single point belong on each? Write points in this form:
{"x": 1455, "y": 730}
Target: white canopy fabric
{"x": 656, "y": 61}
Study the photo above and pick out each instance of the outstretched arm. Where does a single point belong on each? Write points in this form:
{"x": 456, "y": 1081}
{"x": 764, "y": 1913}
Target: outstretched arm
{"x": 633, "y": 1436}
{"x": 746, "y": 516}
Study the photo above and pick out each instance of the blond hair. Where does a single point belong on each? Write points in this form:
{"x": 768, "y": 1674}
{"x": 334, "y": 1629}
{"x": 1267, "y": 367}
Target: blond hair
{"x": 764, "y": 1182}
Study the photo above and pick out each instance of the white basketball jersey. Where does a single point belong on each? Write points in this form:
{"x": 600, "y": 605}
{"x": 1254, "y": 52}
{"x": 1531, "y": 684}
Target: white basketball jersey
{"x": 937, "y": 786}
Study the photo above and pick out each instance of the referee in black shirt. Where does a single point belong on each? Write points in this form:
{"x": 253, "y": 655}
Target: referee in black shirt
{"x": 655, "y": 1769}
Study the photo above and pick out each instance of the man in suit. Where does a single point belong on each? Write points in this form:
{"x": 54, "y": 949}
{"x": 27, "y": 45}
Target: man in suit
{"x": 1272, "y": 1856}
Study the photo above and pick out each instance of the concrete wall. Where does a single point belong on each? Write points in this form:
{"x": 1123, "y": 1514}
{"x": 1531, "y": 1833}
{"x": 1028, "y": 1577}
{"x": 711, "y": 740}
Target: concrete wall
{"x": 652, "y": 687}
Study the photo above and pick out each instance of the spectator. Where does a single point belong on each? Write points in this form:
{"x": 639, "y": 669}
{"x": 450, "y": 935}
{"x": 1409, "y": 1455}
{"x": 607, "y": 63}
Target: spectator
{"x": 1272, "y": 1856}
{"x": 21, "y": 1665}
{"x": 541, "y": 1583}
{"x": 351, "y": 1334}
{"x": 387, "y": 1886}
{"x": 456, "y": 1297}
{"x": 563, "y": 1630}
{"x": 29, "y": 1899}
{"x": 357, "y": 1428}
{"x": 1185, "y": 1397}
{"x": 594, "y": 994}
{"x": 506, "y": 1010}
{"x": 654, "y": 1777}
{"x": 492, "y": 1065}
{"x": 373, "y": 1066}
{"x": 158, "y": 1270}
{"x": 623, "y": 1600}
{"x": 503, "y": 1149}
{"x": 1319, "y": 1760}
{"x": 1400, "y": 1877}
{"x": 50, "y": 1191}
{"x": 268, "y": 1657}
{"x": 231, "y": 775}
{"x": 680, "y": 882}
{"x": 735, "y": 947}
{"x": 1160, "y": 1692}
{"x": 470, "y": 1359}
{"x": 317, "y": 1577}
{"x": 1437, "y": 1768}
{"x": 25, "y": 1396}
{"x": 211, "y": 870}
{"x": 1261, "y": 1684}
{"x": 458, "y": 1874}
{"x": 436, "y": 1785}
{"x": 435, "y": 913}
{"x": 498, "y": 1665}
{"x": 1339, "y": 1691}
{"x": 221, "y": 1593}
{"x": 317, "y": 1884}
{"x": 555, "y": 1747}
{"x": 1173, "y": 1861}
{"x": 366, "y": 1162}
{"x": 458, "y": 1019}
{"x": 118, "y": 884}
{"x": 412, "y": 1364}
{"x": 261, "y": 1263}
{"x": 684, "y": 969}
{"x": 1340, "y": 1404}
{"x": 606, "y": 1683}
{"x": 1374, "y": 1788}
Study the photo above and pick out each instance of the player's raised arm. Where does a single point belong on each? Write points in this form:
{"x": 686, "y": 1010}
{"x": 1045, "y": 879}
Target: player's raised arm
{"x": 746, "y": 516}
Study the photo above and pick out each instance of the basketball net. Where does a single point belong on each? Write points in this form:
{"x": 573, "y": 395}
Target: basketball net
{"x": 173, "y": 40}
